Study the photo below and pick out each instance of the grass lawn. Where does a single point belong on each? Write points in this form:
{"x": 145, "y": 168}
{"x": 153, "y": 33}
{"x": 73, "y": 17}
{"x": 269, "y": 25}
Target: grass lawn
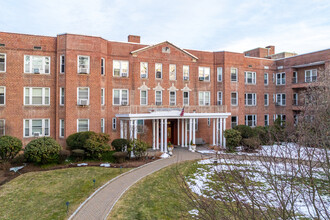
{"x": 157, "y": 196}
{"x": 42, "y": 195}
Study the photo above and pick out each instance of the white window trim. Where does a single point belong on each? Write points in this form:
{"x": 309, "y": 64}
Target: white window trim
{"x": 219, "y": 73}
{"x": 254, "y": 118}
{"x": 161, "y": 97}
{"x": 4, "y": 127}
{"x": 267, "y": 104}
{"x": 42, "y": 128}
{"x": 114, "y": 124}
{"x": 102, "y": 96}
{"x": 295, "y": 100}
{"x": 204, "y": 100}
{"x": 82, "y": 119}
{"x": 183, "y": 98}
{"x": 311, "y": 75}
{"x": 231, "y": 123}
{"x": 103, "y": 66}
{"x": 5, "y": 95}
{"x": 103, "y": 127}
{"x": 295, "y": 76}
{"x": 266, "y": 74}
{"x": 61, "y": 93}
{"x": 170, "y": 98}
{"x": 231, "y": 103}
{"x": 25, "y": 71}
{"x": 61, "y": 63}
{"x": 161, "y": 70}
{"x": 78, "y": 94}
{"x": 30, "y": 96}
{"x": 183, "y": 72}
{"x": 254, "y": 99}
{"x": 267, "y": 119}
{"x": 61, "y": 125}
{"x": 120, "y": 68}
{"x": 89, "y": 62}
{"x": 169, "y": 72}
{"x": 120, "y": 96}
{"x": 281, "y": 78}
{"x": 204, "y": 67}
{"x": 5, "y": 62}
{"x": 141, "y": 97}
{"x": 141, "y": 63}
{"x": 140, "y": 132}
{"x": 236, "y": 74}
{"x": 219, "y": 100}
{"x": 254, "y": 78}
{"x": 279, "y": 102}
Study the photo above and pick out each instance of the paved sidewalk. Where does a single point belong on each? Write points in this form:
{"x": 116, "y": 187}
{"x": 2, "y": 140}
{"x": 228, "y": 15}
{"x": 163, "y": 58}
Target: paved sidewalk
{"x": 102, "y": 202}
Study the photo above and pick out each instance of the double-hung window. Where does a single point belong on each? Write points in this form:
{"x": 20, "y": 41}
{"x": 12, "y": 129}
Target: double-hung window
{"x": 120, "y": 68}
{"x": 250, "y": 99}
{"x": 36, "y": 127}
{"x": 185, "y": 98}
{"x": 234, "y": 121}
{"x": 280, "y": 99}
{"x": 2, "y": 127}
{"x": 310, "y": 75}
{"x": 219, "y": 98}
{"x": 204, "y": 98}
{"x": 250, "y": 77}
{"x": 2, "y": 95}
{"x": 280, "y": 78}
{"x": 83, "y": 96}
{"x": 102, "y": 125}
{"x": 62, "y": 96}
{"x": 219, "y": 74}
{"x": 36, "y": 64}
{"x": 266, "y": 118}
{"x": 144, "y": 70}
{"x": 83, "y": 64}
{"x": 266, "y": 99}
{"x": 2, "y": 62}
{"x": 266, "y": 79}
{"x": 172, "y": 98}
{"x": 295, "y": 99}
{"x": 114, "y": 123}
{"x": 36, "y": 96}
{"x": 233, "y": 74}
{"x": 102, "y": 66}
{"x": 282, "y": 118}
{"x": 234, "y": 98}
{"x": 102, "y": 96}
{"x": 140, "y": 126}
{"x": 185, "y": 73}
{"x": 62, "y": 64}
{"x": 295, "y": 77}
{"x": 251, "y": 120}
{"x": 120, "y": 97}
{"x": 158, "y": 70}
{"x": 82, "y": 125}
{"x": 144, "y": 97}
{"x": 62, "y": 128}
{"x": 172, "y": 72}
{"x": 204, "y": 73}
{"x": 158, "y": 97}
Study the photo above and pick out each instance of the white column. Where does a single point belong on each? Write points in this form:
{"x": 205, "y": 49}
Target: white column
{"x": 121, "y": 129}
{"x": 182, "y": 132}
{"x": 224, "y": 128}
{"x": 178, "y": 132}
{"x": 161, "y": 135}
{"x": 153, "y": 135}
{"x": 186, "y": 133}
{"x": 165, "y": 135}
{"x": 190, "y": 132}
{"x": 135, "y": 129}
{"x": 157, "y": 143}
{"x": 125, "y": 129}
{"x": 213, "y": 131}
{"x": 194, "y": 131}
{"x": 217, "y": 132}
{"x": 221, "y": 131}
{"x": 131, "y": 129}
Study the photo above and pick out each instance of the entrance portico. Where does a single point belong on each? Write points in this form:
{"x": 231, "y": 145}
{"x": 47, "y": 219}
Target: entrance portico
{"x": 171, "y": 126}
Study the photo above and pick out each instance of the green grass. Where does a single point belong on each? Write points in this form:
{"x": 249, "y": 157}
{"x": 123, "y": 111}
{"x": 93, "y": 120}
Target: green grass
{"x": 42, "y": 195}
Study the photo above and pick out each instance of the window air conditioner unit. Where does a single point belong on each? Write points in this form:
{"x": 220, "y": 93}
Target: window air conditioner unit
{"x": 201, "y": 78}
{"x": 83, "y": 102}
{"x": 143, "y": 76}
{"x": 278, "y": 103}
{"x": 36, "y": 134}
{"x": 125, "y": 75}
{"x": 36, "y": 71}
{"x": 83, "y": 70}
{"x": 186, "y": 78}
{"x": 124, "y": 103}
{"x": 158, "y": 103}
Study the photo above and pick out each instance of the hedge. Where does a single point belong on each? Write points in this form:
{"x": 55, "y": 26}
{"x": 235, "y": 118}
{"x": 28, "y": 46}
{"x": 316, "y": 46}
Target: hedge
{"x": 9, "y": 147}
{"x": 233, "y": 138}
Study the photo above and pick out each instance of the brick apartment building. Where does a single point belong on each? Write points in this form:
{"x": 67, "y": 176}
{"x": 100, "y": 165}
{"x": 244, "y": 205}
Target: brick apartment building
{"x": 56, "y": 86}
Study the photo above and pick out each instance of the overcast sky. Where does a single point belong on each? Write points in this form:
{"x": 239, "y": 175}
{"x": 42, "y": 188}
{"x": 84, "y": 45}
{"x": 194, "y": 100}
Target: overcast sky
{"x": 291, "y": 25}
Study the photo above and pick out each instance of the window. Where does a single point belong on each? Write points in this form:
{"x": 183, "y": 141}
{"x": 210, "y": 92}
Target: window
{"x": 266, "y": 99}
{"x": 295, "y": 98}
{"x": 233, "y": 74}
{"x": 295, "y": 119}
{"x": 36, "y": 96}
{"x": 62, "y": 96}
{"x": 282, "y": 118}
{"x": 185, "y": 73}
{"x": 120, "y": 97}
{"x": 61, "y": 127}
{"x": 143, "y": 97}
{"x": 234, "y": 98}
{"x": 204, "y": 98}
{"x": 209, "y": 122}
{"x": 158, "y": 70}
{"x": 280, "y": 99}
{"x": 159, "y": 98}
{"x": 2, "y": 95}
{"x": 266, "y": 79}
{"x": 3, "y": 62}
{"x": 250, "y": 77}
{"x": 62, "y": 64}
{"x": 251, "y": 120}
{"x": 144, "y": 70}
{"x": 250, "y": 99}
{"x": 102, "y": 96}
{"x": 83, "y": 64}
{"x": 219, "y": 74}
{"x": 234, "y": 121}
{"x": 140, "y": 126}
{"x": 36, "y": 64}
{"x": 172, "y": 72}
{"x": 36, "y": 127}
{"x": 204, "y": 73}
{"x": 186, "y": 98}
{"x": 310, "y": 75}
{"x": 219, "y": 98}
{"x": 295, "y": 77}
{"x": 120, "y": 68}
{"x": 102, "y": 125}
{"x": 172, "y": 98}
{"x": 280, "y": 78}
{"x": 82, "y": 125}
{"x": 266, "y": 118}
{"x": 102, "y": 66}
{"x": 2, "y": 127}
{"x": 83, "y": 96}
{"x": 114, "y": 123}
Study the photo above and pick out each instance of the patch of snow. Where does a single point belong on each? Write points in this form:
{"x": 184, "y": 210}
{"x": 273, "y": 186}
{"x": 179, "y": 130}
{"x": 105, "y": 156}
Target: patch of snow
{"x": 82, "y": 164}
{"x": 207, "y": 151}
{"x": 105, "y": 165}
{"x": 193, "y": 212}
{"x": 165, "y": 155}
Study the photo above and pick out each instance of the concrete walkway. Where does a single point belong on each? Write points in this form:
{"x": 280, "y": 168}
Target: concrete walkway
{"x": 100, "y": 205}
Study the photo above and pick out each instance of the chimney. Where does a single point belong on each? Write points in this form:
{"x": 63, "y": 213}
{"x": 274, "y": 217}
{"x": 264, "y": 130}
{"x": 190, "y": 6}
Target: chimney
{"x": 134, "y": 39}
{"x": 271, "y": 50}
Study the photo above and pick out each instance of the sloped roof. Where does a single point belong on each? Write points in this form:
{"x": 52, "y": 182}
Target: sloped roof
{"x": 165, "y": 42}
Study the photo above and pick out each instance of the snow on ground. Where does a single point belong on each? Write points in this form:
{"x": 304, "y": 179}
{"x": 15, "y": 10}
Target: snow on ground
{"x": 165, "y": 155}
{"x": 202, "y": 182}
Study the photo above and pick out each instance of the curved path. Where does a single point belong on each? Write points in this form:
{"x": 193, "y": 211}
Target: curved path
{"x": 99, "y": 205}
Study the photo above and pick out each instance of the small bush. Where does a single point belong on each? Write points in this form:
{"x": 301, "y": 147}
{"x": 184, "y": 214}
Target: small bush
{"x": 9, "y": 147}
{"x": 233, "y": 138}
{"x": 64, "y": 154}
{"x": 246, "y": 131}
{"x": 19, "y": 159}
{"x": 108, "y": 156}
{"x": 119, "y": 144}
{"x": 250, "y": 144}
{"x": 263, "y": 134}
{"x": 78, "y": 154}
{"x": 42, "y": 150}
{"x": 94, "y": 149}
{"x": 120, "y": 156}
{"x": 140, "y": 148}
{"x": 78, "y": 140}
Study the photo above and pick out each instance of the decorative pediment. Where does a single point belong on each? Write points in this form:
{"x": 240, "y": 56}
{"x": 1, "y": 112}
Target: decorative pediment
{"x": 186, "y": 89}
{"x": 144, "y": 87}
{"x": 172, "y": 88}
{"x": 158, "y": 87}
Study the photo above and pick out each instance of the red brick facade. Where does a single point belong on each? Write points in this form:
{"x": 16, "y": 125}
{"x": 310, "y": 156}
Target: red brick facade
{"x": 15, "y": 46}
